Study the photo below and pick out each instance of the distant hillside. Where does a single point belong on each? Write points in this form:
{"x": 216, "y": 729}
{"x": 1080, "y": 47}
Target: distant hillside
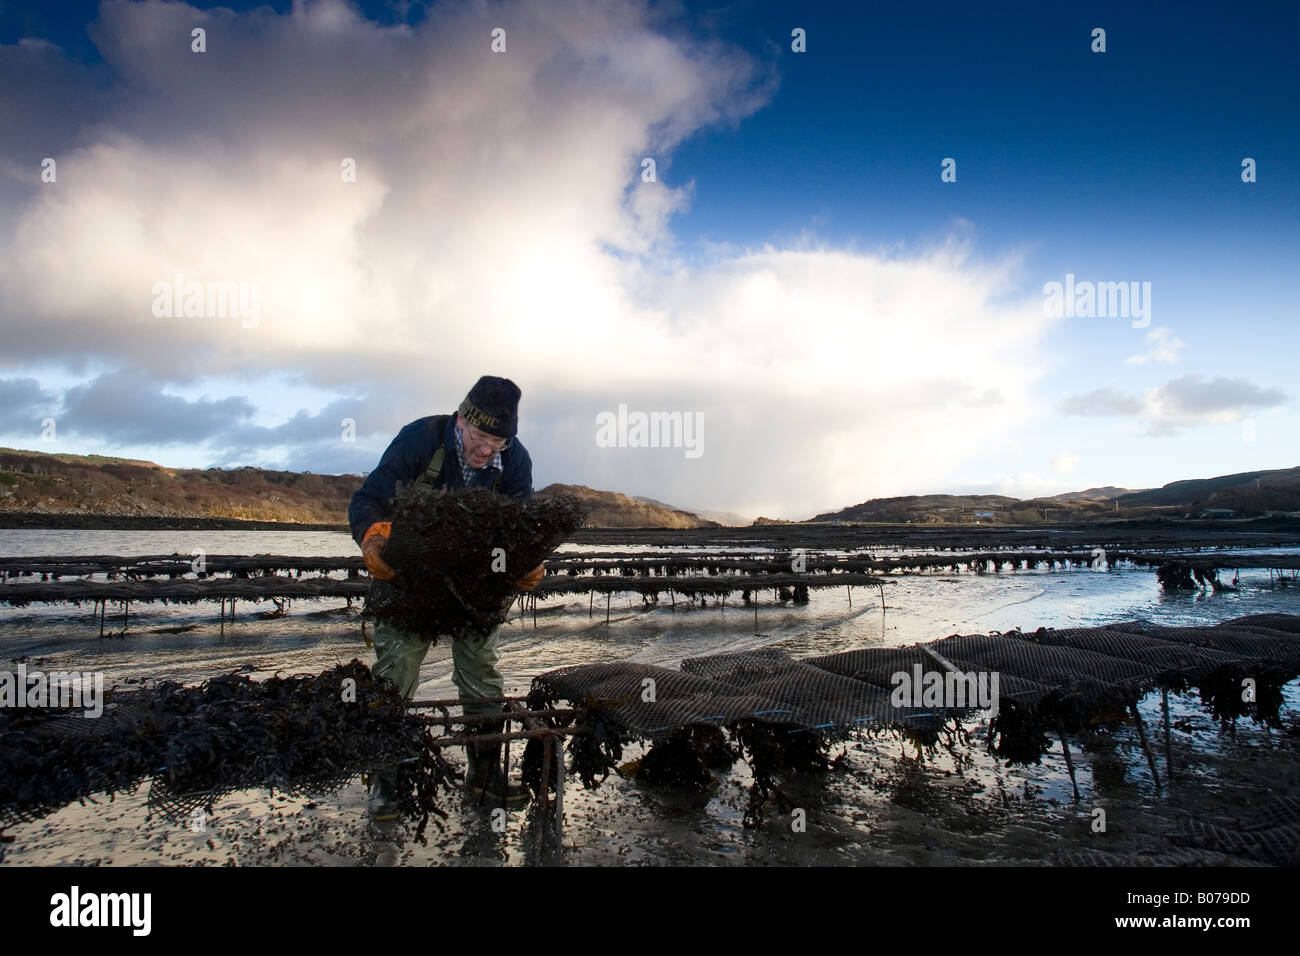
{"x": 34, "y": 484}
{"x": 1249, "y": 494}
{"x": 609, "y": 509}
{"x": 1109, "y": 493}
{"x": 922, "y": 509}
{"x": 1252, "y": 491}
{"x": 727, "y": 519}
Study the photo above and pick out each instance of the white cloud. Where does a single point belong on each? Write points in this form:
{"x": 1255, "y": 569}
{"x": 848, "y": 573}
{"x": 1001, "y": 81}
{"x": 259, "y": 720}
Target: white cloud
{"x": 1179, "y": 403}
{"x": 1101, "y": 401}
{"x": 1163, "y": 346}
{"x": 498, "y": 225}
{"x": 1064, "y": 462}
{"x": 1025, "y": 485}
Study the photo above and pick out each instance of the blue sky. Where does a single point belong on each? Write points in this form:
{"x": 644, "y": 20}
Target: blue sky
{"x": 847, "y": 324}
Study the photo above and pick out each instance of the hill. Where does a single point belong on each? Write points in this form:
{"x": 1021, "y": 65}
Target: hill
{"x": 609, "y": 509}
{"x": 33, "y": 482}
{"x": 1109, "y": 493}
{"x": 922, "y": 509}
{"x": 1255, "y": 491}
{"x": 726, "y": 519}
{"x": 1248, "y": 494}
{"x": 39, "y": 489}
{"x": 41, "y": 486}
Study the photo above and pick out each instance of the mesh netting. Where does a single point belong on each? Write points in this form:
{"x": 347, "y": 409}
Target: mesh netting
{"x": 766, "y": 686}
{"x": 1172, "y": 662}
{"x": 1266, "y": 645}
{"x": 1272, "y": 834}
{"x": 1049, "y": 681}
{"x": 672, "y": 699}
{"x": 809, "y": 696}
{"x": 1099, "y": 679}
{"x": 878, "y": 665}
{"x": 1177, "y": 857}
{"x": 1287, "y": 623}
{"x": 451, "y": 577}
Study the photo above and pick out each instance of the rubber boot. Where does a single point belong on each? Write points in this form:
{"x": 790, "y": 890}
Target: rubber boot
{"x": 485, "y": 780}
{"x": 383, "y": 796}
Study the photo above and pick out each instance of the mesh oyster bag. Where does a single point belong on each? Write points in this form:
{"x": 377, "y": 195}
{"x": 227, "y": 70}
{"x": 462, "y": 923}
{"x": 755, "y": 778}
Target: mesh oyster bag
{"x": 451, "y": 578}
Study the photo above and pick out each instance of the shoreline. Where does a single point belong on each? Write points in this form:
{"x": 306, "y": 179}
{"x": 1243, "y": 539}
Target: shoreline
{"x": 1261, "y": 532}
{"x": 55, "y": 521}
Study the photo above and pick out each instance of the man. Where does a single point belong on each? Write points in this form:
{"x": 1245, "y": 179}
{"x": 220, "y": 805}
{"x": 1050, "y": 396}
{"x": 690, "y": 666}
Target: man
{"x": 475, "y": 447}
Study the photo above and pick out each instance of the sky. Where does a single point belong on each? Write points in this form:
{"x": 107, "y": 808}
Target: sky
{"x": 825, "y": 238}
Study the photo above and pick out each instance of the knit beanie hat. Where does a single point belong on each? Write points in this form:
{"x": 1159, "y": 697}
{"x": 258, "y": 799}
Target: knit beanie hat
{"x": 492, "y": 405}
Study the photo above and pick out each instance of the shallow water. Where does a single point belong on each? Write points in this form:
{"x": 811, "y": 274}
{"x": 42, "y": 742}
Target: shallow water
{"x": 886, "y": 808}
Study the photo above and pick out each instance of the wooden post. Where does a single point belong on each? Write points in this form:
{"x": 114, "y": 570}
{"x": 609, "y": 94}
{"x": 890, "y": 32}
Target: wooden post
{"x": 541, "y": 796}
{"x": 559, "y": 792}
{"x": 1169, "y": 752}
{"x": 1142, "y": 736}
{"x": 1069, "y": 764}
{"x": 505, "y": 767}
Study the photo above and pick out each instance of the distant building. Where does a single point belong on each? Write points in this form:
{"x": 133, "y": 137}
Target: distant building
{"x": 1218, "y": 513}
{"x": 984, "y": 514}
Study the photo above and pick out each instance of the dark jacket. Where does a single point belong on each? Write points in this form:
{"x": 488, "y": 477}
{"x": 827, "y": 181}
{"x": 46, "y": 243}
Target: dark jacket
{"x": 409, "y": 456}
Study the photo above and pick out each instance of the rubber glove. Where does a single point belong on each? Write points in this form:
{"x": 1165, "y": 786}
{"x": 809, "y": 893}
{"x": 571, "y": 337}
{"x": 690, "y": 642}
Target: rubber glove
{"x": 531, "y": 579}
{"x": 372, "y": 549}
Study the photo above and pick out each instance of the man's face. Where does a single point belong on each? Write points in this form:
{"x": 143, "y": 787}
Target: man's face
{"x": 479, "y": 445}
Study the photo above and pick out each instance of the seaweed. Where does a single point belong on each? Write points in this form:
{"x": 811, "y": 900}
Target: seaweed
{"x": 457, "y": 555}
{"x": 305, "y": 733}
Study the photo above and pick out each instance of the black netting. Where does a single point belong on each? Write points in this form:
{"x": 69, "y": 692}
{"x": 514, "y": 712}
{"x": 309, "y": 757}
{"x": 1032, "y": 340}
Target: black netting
{"x": 457, "y": 554}
{"x": 1267, "y": 645}
{"x": 1173, "y": 662}
{"x": 1162, "y": 858}
{"x": 1271, "y": 834}
{"x": 1095, "y": 679}
{"x": 1287, "y": 623}
{"x": 1049, "y": 683}
{"x": 813, "y": 697}
{"x": 654, "y": 701}
{"x": 879, "y": 665}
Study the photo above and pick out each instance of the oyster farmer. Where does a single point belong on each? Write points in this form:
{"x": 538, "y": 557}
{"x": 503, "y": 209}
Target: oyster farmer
{"x": 472, "y": 448}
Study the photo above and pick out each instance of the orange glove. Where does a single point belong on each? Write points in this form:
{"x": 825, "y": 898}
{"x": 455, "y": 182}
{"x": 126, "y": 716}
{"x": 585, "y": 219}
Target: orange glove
{"x": 372, "y": 549}
{"x": 531, "y": 579}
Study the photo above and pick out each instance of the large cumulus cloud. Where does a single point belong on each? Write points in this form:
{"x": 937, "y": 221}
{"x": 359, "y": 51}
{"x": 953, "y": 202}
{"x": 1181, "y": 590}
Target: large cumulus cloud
{"x": 498, "y": 223}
